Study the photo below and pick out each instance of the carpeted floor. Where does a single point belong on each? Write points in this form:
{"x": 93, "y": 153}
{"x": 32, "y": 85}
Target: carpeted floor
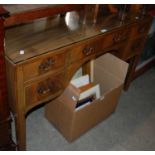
{"x": 131, "y": 127}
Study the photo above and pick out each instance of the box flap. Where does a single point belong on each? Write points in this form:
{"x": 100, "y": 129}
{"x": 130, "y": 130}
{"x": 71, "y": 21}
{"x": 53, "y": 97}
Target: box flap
{"x": 70, "y": 96}
{"x": 106, "y": 80}
{"x": 113, "y": 65}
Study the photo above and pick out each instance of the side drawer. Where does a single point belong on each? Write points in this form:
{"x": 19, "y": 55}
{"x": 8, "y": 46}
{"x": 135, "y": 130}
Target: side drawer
{"x": 44, "y": 89}
{"x": 44, "y": 64}
{"x": 141, "y": 28}
{"x": 115, "y": 38}
{"x": 135, "y": 47}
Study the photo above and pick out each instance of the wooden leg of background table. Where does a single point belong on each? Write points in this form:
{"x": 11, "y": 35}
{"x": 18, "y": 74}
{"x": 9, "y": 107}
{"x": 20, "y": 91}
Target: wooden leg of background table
{"x": 131, "y": 71}
{"x": 96, "y": 10}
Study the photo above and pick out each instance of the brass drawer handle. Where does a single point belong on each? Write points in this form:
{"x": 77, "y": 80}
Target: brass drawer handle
{"x": 119, "y": 38}
{"x": 46, "y": 87}
{"x": 116, "y": 39}
{"x": 43, "y": 90}
{"x": 46, "y": 65}
{"x": 88, "y": 50}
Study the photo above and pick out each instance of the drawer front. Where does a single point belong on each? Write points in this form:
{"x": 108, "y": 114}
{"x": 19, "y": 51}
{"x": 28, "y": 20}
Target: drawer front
{"x": 44, "y": 89}
{"x": 138, "y": 45}
{"x": 141, "y": 29}
{"x": 45, "y": 64}
{"x": 115, "y": 38}
{"x": 85, "y": 50}
{"x": 135, "y": 47}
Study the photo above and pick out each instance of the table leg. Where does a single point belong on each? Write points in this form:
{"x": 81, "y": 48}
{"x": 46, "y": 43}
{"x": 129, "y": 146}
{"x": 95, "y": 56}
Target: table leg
{"x": 20, "y": 123}
{"x": 131, "y": 71}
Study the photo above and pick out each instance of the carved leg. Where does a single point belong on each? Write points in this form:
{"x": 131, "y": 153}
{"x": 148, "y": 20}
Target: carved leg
{"x": 131, "y": 71}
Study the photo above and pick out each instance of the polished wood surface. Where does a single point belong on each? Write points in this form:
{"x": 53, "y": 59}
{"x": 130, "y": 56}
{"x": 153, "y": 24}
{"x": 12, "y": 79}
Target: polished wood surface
{"x": 53, "y": 49}
{"x": 50, "y": 34}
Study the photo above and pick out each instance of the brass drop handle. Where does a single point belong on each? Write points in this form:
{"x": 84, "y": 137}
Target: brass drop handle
{"x": 43, "y": 90}
{"x": 46, "y": 87}
{"x": 119, "y": 38}
{"x": 46, "y": 65}
{"x": 88, "y": 50}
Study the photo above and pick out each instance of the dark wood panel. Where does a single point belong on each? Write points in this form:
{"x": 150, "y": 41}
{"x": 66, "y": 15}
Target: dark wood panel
{"x": 3, "y": 95}
{"x": 5, "y": 120}
{"x": 3, "y": 12}
{"x": 4, "y": 133}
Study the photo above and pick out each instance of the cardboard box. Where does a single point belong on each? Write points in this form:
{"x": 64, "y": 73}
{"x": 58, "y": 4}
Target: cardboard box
{"x": 110, "y": 73}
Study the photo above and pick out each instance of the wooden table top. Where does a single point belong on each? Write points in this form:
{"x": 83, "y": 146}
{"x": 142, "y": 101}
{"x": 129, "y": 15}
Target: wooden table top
{"x": 18, "y": 8}
{"x": 47, "y": 34}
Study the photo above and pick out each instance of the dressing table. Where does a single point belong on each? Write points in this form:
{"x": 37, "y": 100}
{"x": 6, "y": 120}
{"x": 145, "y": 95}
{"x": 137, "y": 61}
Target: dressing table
{"x": 42, "y": 56}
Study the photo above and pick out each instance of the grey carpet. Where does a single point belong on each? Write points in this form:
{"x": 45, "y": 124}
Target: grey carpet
{"x": 131, "y": 127}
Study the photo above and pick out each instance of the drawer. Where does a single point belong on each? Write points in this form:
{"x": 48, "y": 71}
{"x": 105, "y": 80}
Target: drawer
{"x": 50, "y": 62}
{"x": 135, "y": 47}
{"x": 138, "y": 45}
{"x": 115, "y": 38}
{"x": 85, "y": 49}
{"x": 141, "y": 28}
{"x": 44, "y": 89}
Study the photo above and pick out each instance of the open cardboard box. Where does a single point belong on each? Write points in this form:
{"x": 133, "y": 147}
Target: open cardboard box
{"x": 108, "y": 71}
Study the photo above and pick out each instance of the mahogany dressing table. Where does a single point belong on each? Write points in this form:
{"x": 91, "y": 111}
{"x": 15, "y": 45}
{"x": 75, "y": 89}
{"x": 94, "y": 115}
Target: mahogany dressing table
{"x": 42, "y": 56}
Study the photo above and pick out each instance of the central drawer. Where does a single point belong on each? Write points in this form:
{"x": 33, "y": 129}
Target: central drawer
{"x": 135, "y": 47}
{"x": 85, "y": 49}
{"x": 46, "y": 63}
{"x": 141, "y": 28}
{"x": 115, "y": 38}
